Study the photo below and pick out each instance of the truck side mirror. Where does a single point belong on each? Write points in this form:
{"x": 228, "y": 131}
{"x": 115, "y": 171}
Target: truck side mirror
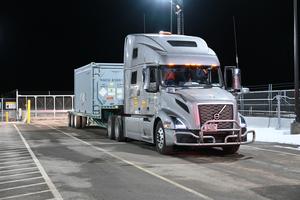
{"x": 235, "y": 76}
{"x": 151, "y": 80}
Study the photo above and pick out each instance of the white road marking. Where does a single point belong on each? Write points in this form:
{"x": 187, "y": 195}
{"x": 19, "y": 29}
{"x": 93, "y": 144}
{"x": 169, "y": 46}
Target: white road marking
{"x": 291, "y": 148}
{"x": 16, "y": 161}
{"x": 16, "y": 165}
{"x": 14, "y": 153}
{"x": 22, "y": 186}
{"x": 19, "y": 169}
{"x": 13, "y": 156}
{"x": 23, "y": 195}
{"x": 20, "y": 174}
{"x": 42, "y": 170}
{"x": 273, "y": 151}
{"x": 4, "y": 159}
{"x": 137, "y": 166}
{"x": 20, "y": 180}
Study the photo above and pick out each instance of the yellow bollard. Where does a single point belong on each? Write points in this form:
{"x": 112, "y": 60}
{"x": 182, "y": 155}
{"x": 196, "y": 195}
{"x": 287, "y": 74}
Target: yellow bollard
{"x": 28, "y": 112}
{"x": 6, "y": 116}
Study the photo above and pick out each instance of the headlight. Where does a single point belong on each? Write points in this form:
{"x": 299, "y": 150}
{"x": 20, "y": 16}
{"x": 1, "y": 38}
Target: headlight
{"x": 178, "y": 124}
{"x": 242, "y": 121}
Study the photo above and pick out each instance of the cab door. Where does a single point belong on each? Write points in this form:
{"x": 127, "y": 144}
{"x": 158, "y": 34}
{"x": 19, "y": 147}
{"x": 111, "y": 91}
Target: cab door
{"x": 148, "y": 99}
{"x": 134, "y": 123}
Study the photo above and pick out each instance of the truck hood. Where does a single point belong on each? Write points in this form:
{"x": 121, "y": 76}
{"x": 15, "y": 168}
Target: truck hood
{"x": 205, "y": 94}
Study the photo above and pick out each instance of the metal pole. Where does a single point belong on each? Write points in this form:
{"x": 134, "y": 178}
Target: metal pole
{"x": 63, "y": 103}
{"x": 178, "y": 24}
{"x": 144, "y": 22}
{"x": 35, "y": 106}
{"x": 17, "y": 104}
{"x": 54, "y": 107}
{"x": 296, "y": 64}
{"x": 171, "y": 17}
{"x": 72, "y": 103}
{"x": 2, "y": 109}
{"x": 235, "y": 44}
{"x": 278, "y": 97}
{"x": 182, "y": 20}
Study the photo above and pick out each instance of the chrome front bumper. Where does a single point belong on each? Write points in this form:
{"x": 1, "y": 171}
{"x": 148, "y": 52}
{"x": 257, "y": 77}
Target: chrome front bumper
{"x": 236, "y": 135}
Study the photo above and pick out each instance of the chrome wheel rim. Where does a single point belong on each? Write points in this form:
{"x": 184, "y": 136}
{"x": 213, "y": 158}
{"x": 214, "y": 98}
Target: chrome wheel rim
{"x": 160, "y": 138}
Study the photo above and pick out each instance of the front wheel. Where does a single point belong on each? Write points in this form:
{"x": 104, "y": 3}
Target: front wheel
{"x": 231, "y": 149}
{"x": 160, "y": 140}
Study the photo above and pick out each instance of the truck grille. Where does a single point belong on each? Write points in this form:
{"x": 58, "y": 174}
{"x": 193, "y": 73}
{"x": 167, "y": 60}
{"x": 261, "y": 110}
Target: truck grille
{"x": 207, "y": 112}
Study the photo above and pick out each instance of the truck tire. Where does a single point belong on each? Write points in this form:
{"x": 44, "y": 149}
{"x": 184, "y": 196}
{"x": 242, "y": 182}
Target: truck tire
{"x": 111, "y": 127}
{"x": 232, "y": 149}
{"x": 83, "y": 122}
{"x": 72, "y": 120}
{"x": 160, "y": 140}
{"x": 119, "y": 134}
{"x": 69, "y": 120}
{"x": 77, "y": 121}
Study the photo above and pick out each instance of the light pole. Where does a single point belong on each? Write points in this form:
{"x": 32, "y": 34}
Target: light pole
{"x": 171, "y": 16}
{"x": 178, "y": 7}
{"x": 295, "y": 126}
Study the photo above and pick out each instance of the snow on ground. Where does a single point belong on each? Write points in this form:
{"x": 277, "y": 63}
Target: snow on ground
{"x": 267, "y": 130}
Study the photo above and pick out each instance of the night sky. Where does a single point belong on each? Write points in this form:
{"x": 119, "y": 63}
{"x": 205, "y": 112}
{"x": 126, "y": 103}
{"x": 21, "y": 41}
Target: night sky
{"x": 42, "y": 42}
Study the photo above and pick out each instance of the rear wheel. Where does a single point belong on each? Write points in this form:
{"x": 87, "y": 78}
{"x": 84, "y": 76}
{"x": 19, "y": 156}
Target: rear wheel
{"x": 111, "y": 127}
{"x": 77, "y": 121}
{"x": 83, "y": 122}
{"x": 160, "y": 140}
{"x": 119, "y": 134}
{"x": 231, "y": 149}
{"x": 69, "y": 120}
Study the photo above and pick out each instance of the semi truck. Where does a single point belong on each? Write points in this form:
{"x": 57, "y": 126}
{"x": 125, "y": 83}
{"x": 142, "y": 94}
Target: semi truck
{"x": 170, "y": 91}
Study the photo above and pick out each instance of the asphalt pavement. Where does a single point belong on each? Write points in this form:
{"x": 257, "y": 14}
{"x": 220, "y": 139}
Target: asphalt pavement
{"x": 48, "y": 160}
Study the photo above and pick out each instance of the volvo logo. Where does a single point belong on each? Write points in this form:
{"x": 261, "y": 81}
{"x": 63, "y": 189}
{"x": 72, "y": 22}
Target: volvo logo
{"x": 217, "y": 115}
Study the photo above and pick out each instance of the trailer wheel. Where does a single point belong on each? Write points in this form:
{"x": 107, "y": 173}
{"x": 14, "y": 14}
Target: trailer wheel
{"x": 83, "y": 122}
{"x": 111, "y": 127}
{"x": 230, "y": 149}
{"x": 72, "y": 120}
{"x": 119, "y": 134}
{"x": 69, "y": 120}
{"x": 160, "y": 140}
{"x": 77, "y": 121}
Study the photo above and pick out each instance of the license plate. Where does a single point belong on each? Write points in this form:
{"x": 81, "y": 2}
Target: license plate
{"x": 210, "y": 127}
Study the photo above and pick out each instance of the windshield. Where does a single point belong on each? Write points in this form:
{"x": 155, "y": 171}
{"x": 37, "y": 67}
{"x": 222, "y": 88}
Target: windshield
{"x": 181, "y": 75}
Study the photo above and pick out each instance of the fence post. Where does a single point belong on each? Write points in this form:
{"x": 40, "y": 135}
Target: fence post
{"x": 35, "y": 106}
{"x": 2, "y": 109}
{"x": 72, "y": 103}
{"x": 278, "y": 98}
{"x": 17, "y": 105}
{"x": 54, "y": 107}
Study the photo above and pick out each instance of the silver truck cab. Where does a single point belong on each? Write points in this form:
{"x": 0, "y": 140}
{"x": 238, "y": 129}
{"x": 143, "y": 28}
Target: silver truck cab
{"x": 174, "y": 94}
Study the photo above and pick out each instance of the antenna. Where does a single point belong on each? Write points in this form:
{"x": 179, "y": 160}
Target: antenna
{"x": 235, "y": 43}
{"x": 144, "y": 19}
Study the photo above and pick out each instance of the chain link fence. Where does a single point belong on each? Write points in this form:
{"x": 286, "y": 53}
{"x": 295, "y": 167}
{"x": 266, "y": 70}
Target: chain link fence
{"x": 42, "y": 106}
{"x": 46, "y": 106}
{"x": 271, "y": 103}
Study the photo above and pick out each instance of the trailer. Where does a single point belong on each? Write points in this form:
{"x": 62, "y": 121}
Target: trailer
{"x": 98, "y": 89}
{"x": 170, "y": 91}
